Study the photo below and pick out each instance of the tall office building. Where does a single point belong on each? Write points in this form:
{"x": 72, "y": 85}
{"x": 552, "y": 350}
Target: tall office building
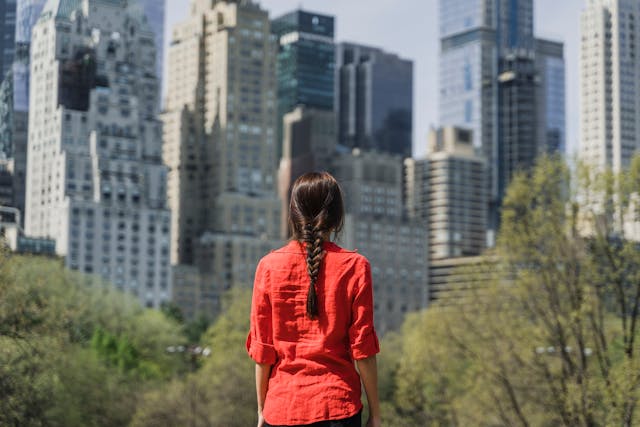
{"x": 306, "y": 62}
{"x": 447, "y": 192}
{"x": 375, "y": 224}
{"x": 309, "y": 144}
{"x": 503, "y": 84}
{"x": 154, "y": 11}
{"x": 220, "y": 143}
{"x": 7, "y": 34}
{"x": 95, "y": 181}
{"x": 6, "y": 185}
{"x": 14, "y": 100}
{"x": 609, "y": 75}
{"x": 550, "y": 96}
{"x": 374, "y": 99}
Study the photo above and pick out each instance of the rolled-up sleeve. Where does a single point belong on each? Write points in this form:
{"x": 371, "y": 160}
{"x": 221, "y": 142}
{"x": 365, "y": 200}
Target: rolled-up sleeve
{"x": 260, "y": 339}
{"x": 362, "y": 334}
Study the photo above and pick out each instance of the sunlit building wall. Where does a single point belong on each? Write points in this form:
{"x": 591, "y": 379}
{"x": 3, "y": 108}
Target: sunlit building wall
{"x": 609, "y": 75}
{"x": 95, "y": 179}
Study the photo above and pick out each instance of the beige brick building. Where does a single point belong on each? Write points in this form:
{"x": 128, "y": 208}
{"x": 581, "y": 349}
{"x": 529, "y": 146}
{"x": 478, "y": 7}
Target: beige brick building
{"x": 219, "y": 142}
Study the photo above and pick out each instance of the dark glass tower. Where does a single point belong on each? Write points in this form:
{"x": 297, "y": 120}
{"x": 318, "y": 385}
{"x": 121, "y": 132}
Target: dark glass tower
{"x": 374, "y": 99}
{"x": 306, "y": 62}
{"x": 7, "y": 34}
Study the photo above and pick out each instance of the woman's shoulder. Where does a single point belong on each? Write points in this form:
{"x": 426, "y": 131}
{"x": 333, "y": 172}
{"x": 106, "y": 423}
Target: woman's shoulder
{"x": 294, "y": 249}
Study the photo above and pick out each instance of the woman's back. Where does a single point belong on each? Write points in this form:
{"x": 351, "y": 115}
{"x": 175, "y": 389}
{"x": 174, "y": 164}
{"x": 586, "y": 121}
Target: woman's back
{"x": 311, "y": 317}
{"x": 314, "y": 377}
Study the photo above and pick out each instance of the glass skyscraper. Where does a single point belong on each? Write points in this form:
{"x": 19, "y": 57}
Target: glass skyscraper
{"x": 497, "y": 80}
{"x": 7, "y": 34}
{"x": 551, "y": 95}
{"x": 374, "y": 99}
{"x": 27, "y": 13}
{"x": 306, "y": 59}
{"x": 306, "y": 63}
{"x": 154, "y": 10}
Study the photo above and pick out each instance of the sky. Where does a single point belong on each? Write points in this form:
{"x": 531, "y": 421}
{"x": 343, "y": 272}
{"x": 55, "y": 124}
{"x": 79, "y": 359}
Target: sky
{"x": 410, "y": 29}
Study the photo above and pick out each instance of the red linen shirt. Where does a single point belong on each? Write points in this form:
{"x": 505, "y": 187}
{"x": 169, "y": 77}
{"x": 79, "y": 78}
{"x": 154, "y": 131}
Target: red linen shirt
{"x": 313, "y": 377}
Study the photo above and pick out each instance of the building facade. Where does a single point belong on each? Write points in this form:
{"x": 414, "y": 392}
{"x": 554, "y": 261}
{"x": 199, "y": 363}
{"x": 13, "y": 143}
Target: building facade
{"x": 14, "y": 100}
{"x": 6, "y": 184}
{"x": 447, "y": 192}
{"x": 374, "y": 99}
{"x": 459, "y": 281}
{"x": 551, "y": 96}
{"x": 7, "y": 34}
{"x": 309, "y": 144}
{"x": 376, "y": 226}
{"x": 504, "y": 85}
{"x": 154, "y": 10}
{"x": 609, "y": 75}
{"x": 95, "y": 179}
{"x": 306, "y": 62}
{"x": 220, "y": 141}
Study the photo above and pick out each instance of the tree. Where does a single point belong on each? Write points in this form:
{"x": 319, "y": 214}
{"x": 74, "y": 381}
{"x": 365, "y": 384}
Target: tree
{"x": 550, "y": 336}
{"x": 221, "y": 391}
{"x": 72, "y": 354}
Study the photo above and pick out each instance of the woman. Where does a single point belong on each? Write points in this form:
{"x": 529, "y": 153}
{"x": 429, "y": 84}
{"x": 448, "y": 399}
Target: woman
{"x": 311, "y": 317}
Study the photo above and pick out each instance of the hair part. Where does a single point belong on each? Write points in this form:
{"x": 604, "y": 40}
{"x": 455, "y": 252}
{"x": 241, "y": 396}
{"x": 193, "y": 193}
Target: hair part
{"x": 316, "y": 209}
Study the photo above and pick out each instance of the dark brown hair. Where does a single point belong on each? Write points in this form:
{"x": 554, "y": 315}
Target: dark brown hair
{"x": 316, "y": 209}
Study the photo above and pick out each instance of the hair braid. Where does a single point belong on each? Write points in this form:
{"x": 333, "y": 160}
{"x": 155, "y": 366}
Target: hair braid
{"x": 315, "y": 210}
{"x": 313, "y": 237}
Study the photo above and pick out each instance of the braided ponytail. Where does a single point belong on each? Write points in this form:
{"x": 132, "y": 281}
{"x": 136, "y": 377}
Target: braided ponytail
{"x": 314, "y": 239}
{"x": 315, "y": 210}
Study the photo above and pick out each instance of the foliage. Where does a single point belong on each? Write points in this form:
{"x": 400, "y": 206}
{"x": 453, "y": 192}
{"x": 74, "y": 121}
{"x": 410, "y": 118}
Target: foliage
{"x": 221, "y": 392}
{"x": 73, "y": 355}
{"x": 548, "y": 334}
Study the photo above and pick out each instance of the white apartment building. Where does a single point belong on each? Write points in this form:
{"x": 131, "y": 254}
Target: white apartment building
{"x": 95, "y": 178}
{"x": 609, "y": 76}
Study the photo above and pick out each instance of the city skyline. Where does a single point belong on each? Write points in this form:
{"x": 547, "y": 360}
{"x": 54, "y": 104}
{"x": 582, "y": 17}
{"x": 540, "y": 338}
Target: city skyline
{"x": 417, "y": 39}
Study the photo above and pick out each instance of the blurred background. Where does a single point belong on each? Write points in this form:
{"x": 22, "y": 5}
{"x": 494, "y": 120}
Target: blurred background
{"x": 486, "y": 150}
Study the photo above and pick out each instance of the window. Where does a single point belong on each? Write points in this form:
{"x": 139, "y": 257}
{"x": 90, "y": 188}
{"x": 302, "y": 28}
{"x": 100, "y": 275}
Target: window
{"x": 468, "y": 110}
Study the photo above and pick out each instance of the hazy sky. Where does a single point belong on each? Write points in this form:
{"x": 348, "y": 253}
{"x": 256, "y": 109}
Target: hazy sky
{"x": 410, "y": 28}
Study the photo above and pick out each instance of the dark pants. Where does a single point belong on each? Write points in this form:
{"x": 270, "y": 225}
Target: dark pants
{"x": 355, "y": 421}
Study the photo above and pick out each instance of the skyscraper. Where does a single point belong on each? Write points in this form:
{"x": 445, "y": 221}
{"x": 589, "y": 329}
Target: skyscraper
{"x": 7, "y": 34}
{"x": 309, "y": 144}
{"x": 27, "y": 14}
{"x": 220, "y": 143}
{"x": 550, "y": 95}
{"x": 95, "y": 181}
{"x": 306, "y": 63}
{"x": 500, "y": 82}
{"x": 374, "y": 103}
{"x": 154, "y": 11}
{"x": 609, "y": 75}
{"x": 446, "y": 191}
{"x": 306, "y": 60}
{"x": 14, "y": 100}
